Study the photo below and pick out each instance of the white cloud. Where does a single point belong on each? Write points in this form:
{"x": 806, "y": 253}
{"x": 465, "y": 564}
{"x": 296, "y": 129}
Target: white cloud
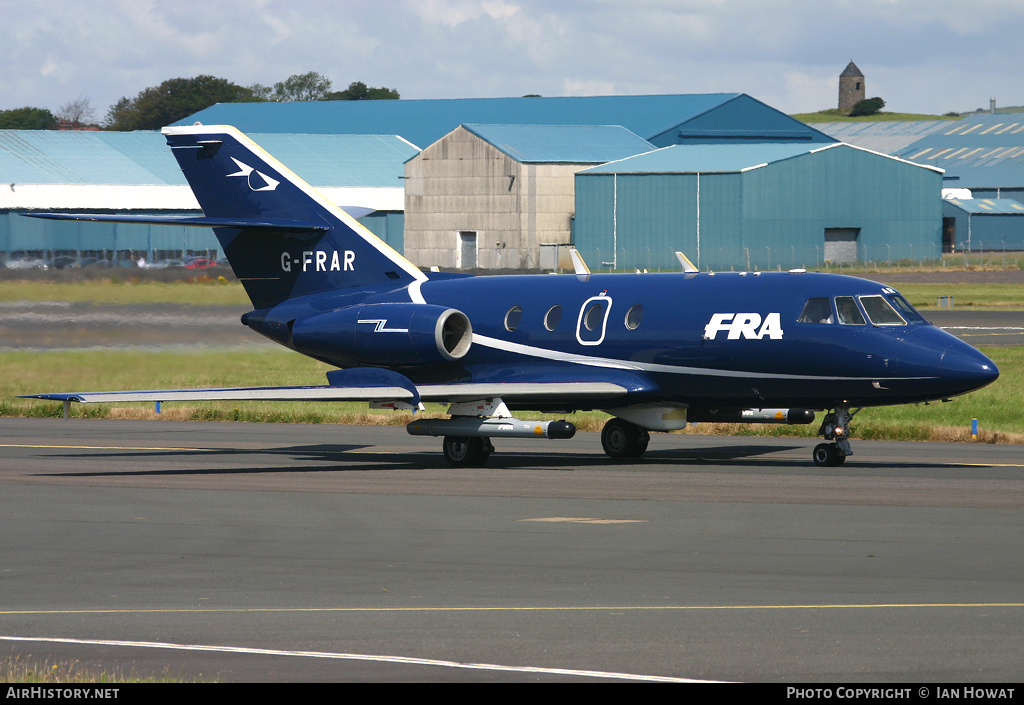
{"x": 920, "y": 55}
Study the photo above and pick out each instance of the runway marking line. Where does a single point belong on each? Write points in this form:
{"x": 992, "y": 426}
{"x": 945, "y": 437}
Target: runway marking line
{"x": 407, "y": 660}
{"x": 618, "y": 608}
{"x": 31, "y": 445}
{"x": 585, "y": 520}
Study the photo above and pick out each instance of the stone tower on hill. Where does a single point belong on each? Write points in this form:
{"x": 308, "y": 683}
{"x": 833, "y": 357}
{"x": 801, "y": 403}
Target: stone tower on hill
{"x": 851, "y": 87}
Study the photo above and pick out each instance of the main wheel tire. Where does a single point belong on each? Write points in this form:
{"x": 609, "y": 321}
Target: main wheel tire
{"x": 827, "y": 455}
{"x": 466, "y": 452}
{"x": 622, "y": 439}
{"x": 643, "y": 437}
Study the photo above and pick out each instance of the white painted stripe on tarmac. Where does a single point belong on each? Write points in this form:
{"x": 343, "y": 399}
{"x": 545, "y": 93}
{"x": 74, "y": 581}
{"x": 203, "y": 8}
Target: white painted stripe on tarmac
{"x": 357, "y": 657}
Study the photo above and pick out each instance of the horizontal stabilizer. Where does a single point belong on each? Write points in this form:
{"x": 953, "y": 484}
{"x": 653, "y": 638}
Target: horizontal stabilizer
{"x": 275, "y": 224}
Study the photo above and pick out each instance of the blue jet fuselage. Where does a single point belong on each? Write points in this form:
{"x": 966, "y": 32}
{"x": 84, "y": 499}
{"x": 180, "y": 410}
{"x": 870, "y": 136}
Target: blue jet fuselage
{"x": 756, "y": 353}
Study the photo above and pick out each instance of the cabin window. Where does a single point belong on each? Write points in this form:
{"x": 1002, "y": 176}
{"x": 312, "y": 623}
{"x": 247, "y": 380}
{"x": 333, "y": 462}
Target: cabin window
{"x": 881, "y": 311}
{"x": 849, "y": 314}
{"x": 634, "y": 315}
{"x": 816, "y": 310}
{"x": 513, "y": 318}
{"x": 553, "y": 317}
{"x": 594, "y": 316}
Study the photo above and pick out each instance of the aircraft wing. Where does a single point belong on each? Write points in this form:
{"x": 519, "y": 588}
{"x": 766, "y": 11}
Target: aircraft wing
{"x": 234, "y": 394}
{"x": 432, "y": 392}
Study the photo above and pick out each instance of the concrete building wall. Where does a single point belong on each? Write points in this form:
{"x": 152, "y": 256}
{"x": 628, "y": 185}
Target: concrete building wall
{"x": 461, "y": 185}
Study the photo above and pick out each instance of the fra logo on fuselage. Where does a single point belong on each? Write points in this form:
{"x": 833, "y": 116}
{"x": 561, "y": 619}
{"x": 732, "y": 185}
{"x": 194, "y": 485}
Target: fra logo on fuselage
{"x": 745, "y": 325}
{"x": 320, "y": 261}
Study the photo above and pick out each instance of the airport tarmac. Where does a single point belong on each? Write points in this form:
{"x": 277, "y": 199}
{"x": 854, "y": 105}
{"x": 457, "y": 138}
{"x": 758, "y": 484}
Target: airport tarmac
{"x": 262, "y": 552}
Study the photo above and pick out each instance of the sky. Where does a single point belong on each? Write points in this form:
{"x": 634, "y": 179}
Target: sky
{"x": 920, "y": 56}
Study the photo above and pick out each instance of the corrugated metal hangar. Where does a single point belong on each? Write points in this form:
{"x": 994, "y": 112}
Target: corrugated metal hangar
{"x": 503, "y": 183}
{"x": 982, "y": 152}
{"x": 982, "y": 224}
{"x": 662, "y": 120}
{"x": 757, "y": 206}
{"x": 982, "y": 156}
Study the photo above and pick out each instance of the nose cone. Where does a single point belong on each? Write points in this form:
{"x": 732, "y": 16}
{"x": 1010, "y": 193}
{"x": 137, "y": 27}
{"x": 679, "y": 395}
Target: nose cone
{"x": 965, "y": 369}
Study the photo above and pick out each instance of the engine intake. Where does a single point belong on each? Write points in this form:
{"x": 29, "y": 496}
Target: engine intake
{"x": 386, "y": 334}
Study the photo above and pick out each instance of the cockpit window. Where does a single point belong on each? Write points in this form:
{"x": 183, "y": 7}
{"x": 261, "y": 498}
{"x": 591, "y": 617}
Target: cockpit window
{"x": 848, "y": 312}
{"x": 816, "y": 310}
{"x": 906, "y": 310}
{"x": 881, "y": 311}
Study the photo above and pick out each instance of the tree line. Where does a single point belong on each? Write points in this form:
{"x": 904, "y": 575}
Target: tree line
{"x": 177, "y": 98}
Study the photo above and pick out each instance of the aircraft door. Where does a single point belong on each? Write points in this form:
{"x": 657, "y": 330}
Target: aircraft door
{"x": 593, "y": 320}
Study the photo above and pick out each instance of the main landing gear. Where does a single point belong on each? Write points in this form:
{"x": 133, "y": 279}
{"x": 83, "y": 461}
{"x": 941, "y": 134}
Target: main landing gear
{"x": 835, "y": 427}
{"x": 466, "y": 452}
{"x": 467, "y": 434}
{"x": 622, "y": 439}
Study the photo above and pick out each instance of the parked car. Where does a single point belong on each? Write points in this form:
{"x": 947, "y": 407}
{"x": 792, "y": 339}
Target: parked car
{"x": 200, "y": 263}
{"x": 26, "y": 264}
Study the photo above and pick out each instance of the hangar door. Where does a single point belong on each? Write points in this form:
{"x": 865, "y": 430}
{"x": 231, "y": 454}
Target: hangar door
{"x": 841, "y": 245}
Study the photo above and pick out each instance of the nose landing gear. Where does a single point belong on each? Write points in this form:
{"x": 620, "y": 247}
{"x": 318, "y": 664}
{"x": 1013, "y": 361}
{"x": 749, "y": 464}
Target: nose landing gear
{"x": 835, "y": 427}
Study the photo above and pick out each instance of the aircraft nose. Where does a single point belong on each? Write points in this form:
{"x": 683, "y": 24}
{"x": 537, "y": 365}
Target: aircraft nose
{"x": 967, "y": 368}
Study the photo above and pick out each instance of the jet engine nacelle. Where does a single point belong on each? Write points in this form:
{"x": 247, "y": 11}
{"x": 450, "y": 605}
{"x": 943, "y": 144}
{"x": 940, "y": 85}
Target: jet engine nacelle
{"x": 386, "y": 334}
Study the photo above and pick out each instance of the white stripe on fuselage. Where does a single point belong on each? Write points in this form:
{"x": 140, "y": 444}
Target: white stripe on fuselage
{"x": 579, "y": 359}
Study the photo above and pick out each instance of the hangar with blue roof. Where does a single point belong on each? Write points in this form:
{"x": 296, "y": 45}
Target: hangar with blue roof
{"x": 986, "y": 224}
{"x": 662, "y": 120}
{"x": 516, "y": 193}
{"x": 982, "y": 157}
{"x": 981, "y": 152}
{"x": 757, "y": 206}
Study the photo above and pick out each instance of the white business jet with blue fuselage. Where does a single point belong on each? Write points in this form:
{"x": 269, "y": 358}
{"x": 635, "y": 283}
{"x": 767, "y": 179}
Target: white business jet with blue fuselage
{"x": 655, "y": 351}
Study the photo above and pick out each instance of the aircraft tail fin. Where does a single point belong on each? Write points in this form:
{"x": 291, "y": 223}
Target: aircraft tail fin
{"x": 282, "y": 238}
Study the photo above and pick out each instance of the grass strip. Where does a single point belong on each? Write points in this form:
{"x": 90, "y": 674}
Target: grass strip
{"x": 203, "y": 290}
{"x": 997, "y": 407}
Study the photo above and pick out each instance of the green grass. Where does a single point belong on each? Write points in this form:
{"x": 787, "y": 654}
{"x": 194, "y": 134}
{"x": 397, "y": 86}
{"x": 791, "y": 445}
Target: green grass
{"x": 949, "y": 263}
{"x": 1002, "y": 297}
{"x": 835, "y": 115}
{"x": 201, "y": 291}
{"x": 997, "y": 406}
{"x": 102, "y": 370}
{"x": 28, "y": 670}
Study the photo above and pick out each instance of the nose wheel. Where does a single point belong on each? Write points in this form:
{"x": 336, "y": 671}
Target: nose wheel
{"x": 828, "y": 455}
{"x": 835, "y": 427}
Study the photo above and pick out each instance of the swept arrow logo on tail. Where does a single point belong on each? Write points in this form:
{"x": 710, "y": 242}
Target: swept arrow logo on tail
{"x": 247, "y": 171}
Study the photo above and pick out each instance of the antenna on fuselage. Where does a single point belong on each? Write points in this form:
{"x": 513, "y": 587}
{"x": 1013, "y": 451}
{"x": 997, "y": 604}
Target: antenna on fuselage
{"x": 577, "y": 262}
{"x": 687, "y": 264}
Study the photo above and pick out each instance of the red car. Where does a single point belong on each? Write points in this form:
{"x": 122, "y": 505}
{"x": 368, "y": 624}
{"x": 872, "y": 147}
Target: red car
{"x": 200, "y": 263}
